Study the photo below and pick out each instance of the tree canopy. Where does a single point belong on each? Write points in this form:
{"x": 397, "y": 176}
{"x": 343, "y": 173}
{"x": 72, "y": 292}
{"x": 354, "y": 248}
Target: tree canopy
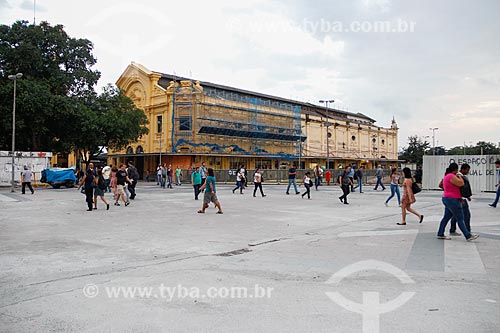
{"x": 414, "y": 152}
{"x": 57, "y": 108}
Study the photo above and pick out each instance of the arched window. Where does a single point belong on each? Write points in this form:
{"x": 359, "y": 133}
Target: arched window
{"x": 139, "y": 150}
{"x": 130, "y": 150}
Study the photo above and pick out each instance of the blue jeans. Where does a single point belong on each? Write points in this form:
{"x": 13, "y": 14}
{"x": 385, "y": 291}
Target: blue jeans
{"x": 360, "y": 185}
{"x": 465, "y": 207}
{"x": 169, "y": 182}
{"x": 453, "y": 208}
{"x": 290, "y": 182}
{"x": 497, "y": 197}
{"x": 379, "y": 182}
{"x": 394, "y": 190}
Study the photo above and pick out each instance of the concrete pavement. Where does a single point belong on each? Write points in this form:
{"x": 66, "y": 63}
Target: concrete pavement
{"x": 158, "y": 266}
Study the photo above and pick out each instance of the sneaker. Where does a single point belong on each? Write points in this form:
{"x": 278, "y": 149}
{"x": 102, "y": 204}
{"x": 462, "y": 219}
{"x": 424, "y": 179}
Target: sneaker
{"x": 472, "y": 237}
{"x": 342, "y": 201}
{"x": 287, "y": 193}
{"x": 107, "y": 207}
{"x": 444, "y": 237}
{"x": 492, "y": 205}
{"x": 297, "y": 192}
{"x": 455, "y": 233}
{"x": 127, "y": 203}
{"x": 386, "y": 204}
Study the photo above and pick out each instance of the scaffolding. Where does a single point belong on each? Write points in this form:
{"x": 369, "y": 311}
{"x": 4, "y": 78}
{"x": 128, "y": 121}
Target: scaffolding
{"x": 218, "y": 120}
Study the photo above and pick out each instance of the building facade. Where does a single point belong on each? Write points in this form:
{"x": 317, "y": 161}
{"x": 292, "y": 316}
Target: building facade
{"x": 192, "y": 121}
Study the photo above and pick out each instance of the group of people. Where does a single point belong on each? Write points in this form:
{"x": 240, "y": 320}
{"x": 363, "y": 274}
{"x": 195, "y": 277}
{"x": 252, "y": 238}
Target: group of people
{"x": 165, "y": 175}
{"x": 120, "y": 181}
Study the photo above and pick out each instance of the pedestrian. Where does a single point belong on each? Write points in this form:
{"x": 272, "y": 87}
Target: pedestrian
{"x": 158, "y": 174}
{"x": 99, "y": 187}
{"x": 163, "y": 175}
{"x": 133, "y": 174}
{"x": 112, "y": 181}
{"x": 88, "y": 184}
{"x": 408, "y": 198}
{"x": 169, "y": 176}
{"x": 243, "y": 172}
{"x": 345, "y": 183}
{"x": 292, "y": 175}
{"x": 328, "y": 176}
{"x": 204, "y": 174}
{"x": 318, "y": 175}
{"x": 380, "y": 177}
{"x": 351, "y": 177}
{"x": 106, "y": 173}
{"x": 497, "y": 185}
{"x": 26, "y": 176}
{"x": 358, "y": 176}
{"x": 452, "y": 200}
{"x": 307, "y": 184}
{"x": 122, "y": 179}
{"x": 419, "y": 174}
{"x": 394, "y": 187}
{"x": 257, "y": 181}
{"x": 178, "y": 175}
{"x": 196, "y": 181}
{"x": 466, "y": 192}
{"x": 239, "y": 181}
{"x": 210, "y": 192}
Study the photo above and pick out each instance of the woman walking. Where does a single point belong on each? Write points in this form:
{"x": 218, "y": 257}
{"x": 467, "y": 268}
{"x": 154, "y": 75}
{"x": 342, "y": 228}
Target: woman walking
{"x": 196, "y": 181}
{"x": 345, "y": 183}
{"x": 408, "y": 198}
{"x": 452, "y": 200}
{"x": 307, "y": 184}
{"x": 240, "y": 178}
{"x": 210, "y": 193}
{"x": 88, "y": 184}
{"x": 394, "y": 187}
{"x": 100, "y": 187}
{"x": 257, "y": 181}
{"x": 112, "y": 181}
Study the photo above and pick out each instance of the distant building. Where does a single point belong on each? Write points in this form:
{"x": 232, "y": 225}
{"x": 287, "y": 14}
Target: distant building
{"x": 192, "y": 121}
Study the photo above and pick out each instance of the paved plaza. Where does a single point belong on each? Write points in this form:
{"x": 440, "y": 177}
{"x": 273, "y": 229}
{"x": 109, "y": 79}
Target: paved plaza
{"x": 273, "y": 264}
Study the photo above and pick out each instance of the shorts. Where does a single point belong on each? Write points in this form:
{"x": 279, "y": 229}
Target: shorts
{"x": 209, "y": 197}
{"x": 119, "y": 189}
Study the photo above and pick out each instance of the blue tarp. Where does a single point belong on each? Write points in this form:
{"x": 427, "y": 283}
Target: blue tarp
{"x": 55, "y": 175}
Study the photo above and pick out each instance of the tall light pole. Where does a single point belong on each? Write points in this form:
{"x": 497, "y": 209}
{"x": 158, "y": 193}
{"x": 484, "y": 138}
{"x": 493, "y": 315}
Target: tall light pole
{"x": 327, "y": 124}
{"x": 14, "y": 78}
{"x": 160, "y": 127}
{"x": 433, "y": 129}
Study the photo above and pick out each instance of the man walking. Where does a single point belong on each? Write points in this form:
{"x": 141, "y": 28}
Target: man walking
{"x": 196, "y": 181}
{"x": 133, "y": 174}
{"x": 494, "y": 204}
{"x": 358, "y": 176}
{"x": 380, "y": 177}
{"x": 178, "y": 175}
{"x": 318, "y": 174}
{"x": 292, "y": 175}
{"x": 26, "y": 180}
{"x": 121, "y": 179}
{"x": 169, "y": 175}
{"x": 204, "y": 173}
{"x": 466, "y": 192}
{"x": 106, "y": 171}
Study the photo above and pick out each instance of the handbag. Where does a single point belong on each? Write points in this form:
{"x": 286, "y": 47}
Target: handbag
{"x": 415, "y": 188}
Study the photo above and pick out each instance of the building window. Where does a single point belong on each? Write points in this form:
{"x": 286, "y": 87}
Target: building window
{"x": 353, "y": 138}
{"x": 130, "y": 150}
{"x": 383, "y": 142}
{"x": 184, "y": 123}
{"x": 159, "y": 122}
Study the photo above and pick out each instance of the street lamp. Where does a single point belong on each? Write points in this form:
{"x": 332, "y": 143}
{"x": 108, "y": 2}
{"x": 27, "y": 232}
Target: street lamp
{"x": 14, "y": 78}
{"x": 327, "y": 124}
{"x": 433, "y": 129}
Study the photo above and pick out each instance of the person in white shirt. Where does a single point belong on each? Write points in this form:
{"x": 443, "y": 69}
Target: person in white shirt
{"x": 257, "y": 180}
{"x": 307, "y": 184}
{"x": 26, "y": 176}
{"x": 239, "y": 182}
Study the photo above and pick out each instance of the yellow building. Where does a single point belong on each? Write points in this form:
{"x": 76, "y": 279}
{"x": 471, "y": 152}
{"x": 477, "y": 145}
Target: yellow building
{"x": 192, "y": 121}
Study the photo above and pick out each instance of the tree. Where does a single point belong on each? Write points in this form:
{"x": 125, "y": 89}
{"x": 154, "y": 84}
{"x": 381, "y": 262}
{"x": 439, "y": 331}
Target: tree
{"x": 415, "y": 151}
{"x": 482, "y": 147}
{"x": 57, "y": 108}
{"x": 109, "y": 120}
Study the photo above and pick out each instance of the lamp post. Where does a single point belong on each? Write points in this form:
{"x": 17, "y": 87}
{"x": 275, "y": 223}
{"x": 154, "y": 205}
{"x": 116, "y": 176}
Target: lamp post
{"x": 160, "y": 127}
{"x": 14, "y": 78}
{"x": 433, "y": 129}
{"x": 327, "y": 124}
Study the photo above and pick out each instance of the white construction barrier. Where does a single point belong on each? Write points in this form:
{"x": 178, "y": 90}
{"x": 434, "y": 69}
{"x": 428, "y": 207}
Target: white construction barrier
{"x": 36, "y": 161}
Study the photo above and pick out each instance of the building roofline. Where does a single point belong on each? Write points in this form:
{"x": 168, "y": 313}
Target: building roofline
{"x": 172, "y": 77}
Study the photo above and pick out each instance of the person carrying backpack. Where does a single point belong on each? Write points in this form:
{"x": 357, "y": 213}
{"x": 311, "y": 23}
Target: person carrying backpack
{"x": 99, "y": 188}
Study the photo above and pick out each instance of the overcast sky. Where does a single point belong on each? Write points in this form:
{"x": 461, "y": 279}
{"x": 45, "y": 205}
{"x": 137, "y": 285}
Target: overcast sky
{"x": 437, "y": 66}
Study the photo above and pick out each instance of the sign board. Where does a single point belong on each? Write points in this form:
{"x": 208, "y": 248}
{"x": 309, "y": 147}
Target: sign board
{"x": 482, "y": 174}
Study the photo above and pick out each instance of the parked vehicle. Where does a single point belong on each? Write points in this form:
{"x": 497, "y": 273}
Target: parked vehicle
{"x": 58, "y": 177}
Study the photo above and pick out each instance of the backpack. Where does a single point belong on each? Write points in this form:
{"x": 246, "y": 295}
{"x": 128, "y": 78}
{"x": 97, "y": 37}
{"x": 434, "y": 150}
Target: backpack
{"x": 355, "y": 175}
{"x": 102, "y": 183}
{"x": 134, "y": 174}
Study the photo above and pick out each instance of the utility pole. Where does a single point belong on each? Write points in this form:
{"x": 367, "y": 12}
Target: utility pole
{"x": 14, "y": 78}
{"x": 327, "y": 124}
{"x": 433, "y": 129}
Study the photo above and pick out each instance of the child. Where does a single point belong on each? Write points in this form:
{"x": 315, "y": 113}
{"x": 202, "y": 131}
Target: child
{"x": 307, "y": 184}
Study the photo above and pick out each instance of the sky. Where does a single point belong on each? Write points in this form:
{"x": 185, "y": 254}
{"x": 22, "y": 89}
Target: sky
{"x": 427, "y": 63}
